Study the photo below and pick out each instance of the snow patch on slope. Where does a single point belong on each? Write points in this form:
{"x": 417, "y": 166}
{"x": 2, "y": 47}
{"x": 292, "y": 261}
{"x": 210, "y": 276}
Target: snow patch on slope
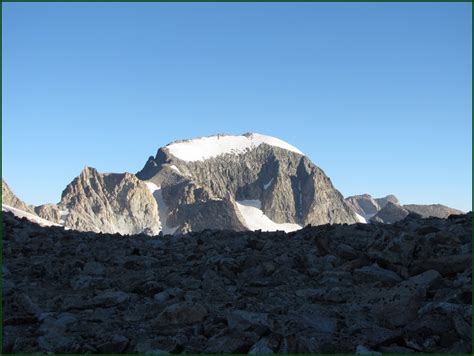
{"x": 162, "y": 208}
{"x": 255, "y": 219}
{"x": 361, "y": 218}
{"x": 23, "y": 214}
{"x": 203, "y": 148}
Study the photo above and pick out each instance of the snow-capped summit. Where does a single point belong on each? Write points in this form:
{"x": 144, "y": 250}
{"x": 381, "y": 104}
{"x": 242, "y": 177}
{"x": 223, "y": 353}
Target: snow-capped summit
{"x": 202, "y": 148}
{"x": 241, "y": 182}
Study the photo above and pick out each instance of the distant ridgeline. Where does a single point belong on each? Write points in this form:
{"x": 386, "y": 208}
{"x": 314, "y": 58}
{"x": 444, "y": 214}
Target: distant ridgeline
{"x": 246, "y": 182}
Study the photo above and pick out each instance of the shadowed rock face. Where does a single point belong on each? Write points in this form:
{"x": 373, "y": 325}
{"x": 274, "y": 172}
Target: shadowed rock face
{"x": 106, "y": 203}
{"x": 196, "y": 216}
{"x": 9, "y": 198}
{"x": 390, "y": 288}
{"x": 290, "y": 188}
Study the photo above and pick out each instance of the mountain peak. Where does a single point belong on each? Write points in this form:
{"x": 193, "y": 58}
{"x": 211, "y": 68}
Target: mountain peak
{"x": 241, "y": 182}
{"x": 87, "y": 171}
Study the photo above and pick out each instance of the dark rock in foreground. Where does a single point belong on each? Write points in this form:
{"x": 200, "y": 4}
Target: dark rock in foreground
{"x": 400, "y": 288}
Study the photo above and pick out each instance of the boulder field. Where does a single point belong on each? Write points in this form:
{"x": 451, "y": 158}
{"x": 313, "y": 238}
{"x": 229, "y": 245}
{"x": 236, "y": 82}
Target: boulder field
{"x": 361, "y": 288}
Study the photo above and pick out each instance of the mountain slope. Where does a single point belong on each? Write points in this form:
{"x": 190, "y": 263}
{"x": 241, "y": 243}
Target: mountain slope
{"x": 30, "y": 216}
{"x": 111, "y": 203}
{"x": 10, "y": 199}
{"x": 364, "y": 205}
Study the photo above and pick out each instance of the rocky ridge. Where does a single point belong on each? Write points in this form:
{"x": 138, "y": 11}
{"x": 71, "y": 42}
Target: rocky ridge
{"x": 105, "y": 202}
{"x": 389, "y": 210}
{"x": 432, "y": 210}
{"x": 11, "y": 203}
{"x": 324, "y": 289}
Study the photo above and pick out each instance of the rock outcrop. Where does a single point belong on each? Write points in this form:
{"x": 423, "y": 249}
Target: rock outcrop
{"x": 377, "y": 288}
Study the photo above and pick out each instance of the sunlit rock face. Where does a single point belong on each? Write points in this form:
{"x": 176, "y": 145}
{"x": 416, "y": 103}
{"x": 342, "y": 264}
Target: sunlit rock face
{"x": 109, "y": 203}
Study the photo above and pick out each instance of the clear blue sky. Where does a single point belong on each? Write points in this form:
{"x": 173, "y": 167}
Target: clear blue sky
{"x": 377, "y": 95}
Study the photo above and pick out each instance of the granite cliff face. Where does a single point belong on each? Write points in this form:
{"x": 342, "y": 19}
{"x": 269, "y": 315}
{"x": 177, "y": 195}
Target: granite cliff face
{"x": 248, "y": 177}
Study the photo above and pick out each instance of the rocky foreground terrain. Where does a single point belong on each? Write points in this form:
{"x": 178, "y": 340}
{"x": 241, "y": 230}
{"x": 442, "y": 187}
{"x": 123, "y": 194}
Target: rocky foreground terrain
{"x": 362, "y": 288}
